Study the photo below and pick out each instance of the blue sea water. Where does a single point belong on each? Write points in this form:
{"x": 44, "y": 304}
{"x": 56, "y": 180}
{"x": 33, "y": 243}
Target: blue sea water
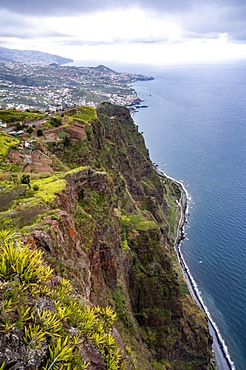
{"x": 195, "y": 130}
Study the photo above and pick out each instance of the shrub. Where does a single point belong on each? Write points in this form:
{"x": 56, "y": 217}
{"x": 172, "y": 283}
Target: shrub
{"x": 14, "y": 179}
{"x": 23, "y": 277}
{"x": 22, "y": 262}
{"x": 67, "y": 141}
{"x": 29, "y": 130}
{"x": 35, "y": 187}
{"x": 25, "y": 179}
{"x": 55, "y": 122}
{"x": 40, "y": 132}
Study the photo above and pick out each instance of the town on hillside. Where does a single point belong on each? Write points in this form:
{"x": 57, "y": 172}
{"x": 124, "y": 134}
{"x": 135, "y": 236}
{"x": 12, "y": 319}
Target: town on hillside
{"x": 53, "y": 87}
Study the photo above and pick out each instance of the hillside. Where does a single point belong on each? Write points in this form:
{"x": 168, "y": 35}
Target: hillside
{"x": 53, "y": 87}
{"x": 30, "y": 56}
{"x": 86, "y": 201}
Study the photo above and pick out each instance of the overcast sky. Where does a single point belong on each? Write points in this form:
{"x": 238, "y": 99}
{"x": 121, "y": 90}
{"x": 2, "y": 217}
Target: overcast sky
{"x": 140, "y": 31}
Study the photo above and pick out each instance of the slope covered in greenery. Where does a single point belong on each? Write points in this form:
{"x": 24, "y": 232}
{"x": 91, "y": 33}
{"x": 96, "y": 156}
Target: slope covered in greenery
{"x": 102, "y": 224}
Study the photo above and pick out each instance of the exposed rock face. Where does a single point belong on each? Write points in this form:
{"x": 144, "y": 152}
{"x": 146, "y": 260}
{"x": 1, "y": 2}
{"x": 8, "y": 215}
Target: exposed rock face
{"x": 141, "y": 279}
{"x": 111, "y": 234}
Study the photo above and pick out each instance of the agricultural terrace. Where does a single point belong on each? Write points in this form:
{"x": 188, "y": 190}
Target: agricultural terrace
{"x": 11, "y": 115}
{"x": 6, "y": 142}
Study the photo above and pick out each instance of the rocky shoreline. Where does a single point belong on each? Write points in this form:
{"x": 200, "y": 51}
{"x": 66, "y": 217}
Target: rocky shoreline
{"x": 221, "y": 355}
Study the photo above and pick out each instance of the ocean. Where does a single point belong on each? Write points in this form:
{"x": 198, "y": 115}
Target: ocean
{"x": 195, "y": 130}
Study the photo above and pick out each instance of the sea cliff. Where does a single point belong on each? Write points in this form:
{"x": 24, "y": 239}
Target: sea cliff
{"x": 109, "y": 230}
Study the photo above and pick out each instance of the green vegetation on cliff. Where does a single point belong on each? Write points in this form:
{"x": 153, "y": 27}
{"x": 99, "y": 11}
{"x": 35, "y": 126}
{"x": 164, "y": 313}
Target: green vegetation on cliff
{"x": 6, "y": 142}
{"x": 11, "y": 115}
{"x": 47, "y": 321}
{"x": 86, "y": 114}
{"x": 107, "y": 229}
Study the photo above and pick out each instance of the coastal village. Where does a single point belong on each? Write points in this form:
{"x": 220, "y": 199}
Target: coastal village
{"x": 53, "y": 87}
{"x": 32, "y": 96}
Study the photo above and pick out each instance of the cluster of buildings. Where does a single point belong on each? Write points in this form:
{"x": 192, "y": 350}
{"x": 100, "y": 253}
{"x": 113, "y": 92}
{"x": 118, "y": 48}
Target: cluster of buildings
{"x": 54, "y": 87}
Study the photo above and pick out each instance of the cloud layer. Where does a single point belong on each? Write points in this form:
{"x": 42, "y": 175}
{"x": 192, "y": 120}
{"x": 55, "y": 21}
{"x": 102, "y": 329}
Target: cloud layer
{"x": 197, "y": 18}
{"x": 93, "y": 22}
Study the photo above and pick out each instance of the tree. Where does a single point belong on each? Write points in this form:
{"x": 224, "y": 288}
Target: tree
{"x": 15, "y": 179}
{"x": 29, "y": 130}
{"x": 67, "y": 141}
{"x": 40, "y": 132}
{"x": 55, "y": 122}
{"x": 25, "y": 179}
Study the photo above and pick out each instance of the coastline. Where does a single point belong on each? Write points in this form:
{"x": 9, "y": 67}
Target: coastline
{"x": 221, "y": 354}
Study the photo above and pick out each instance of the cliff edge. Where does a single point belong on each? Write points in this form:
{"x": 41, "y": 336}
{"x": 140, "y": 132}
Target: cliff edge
{"x": 105, "y": 222}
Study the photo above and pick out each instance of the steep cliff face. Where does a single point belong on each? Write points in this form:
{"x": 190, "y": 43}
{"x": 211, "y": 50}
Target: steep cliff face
{"x": 130, "y": 244}
{"x": 111, "y": 232}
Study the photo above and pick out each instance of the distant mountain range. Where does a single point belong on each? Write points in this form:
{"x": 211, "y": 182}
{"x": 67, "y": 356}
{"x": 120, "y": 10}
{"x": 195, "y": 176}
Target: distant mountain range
{"x": 30, "y": 56}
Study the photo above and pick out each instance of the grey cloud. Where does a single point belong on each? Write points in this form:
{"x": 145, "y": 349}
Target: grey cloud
{"x": 25, "y": 27}
{"x": 215, "y": 19}
{"x": 28, "y": 33}
{"x": 54, "y": 7}
{"x": 238, "y": 14}
{"x": 69, "y": 7}
{"x": 222, "y": 16}
{"x": 116, "y": 41}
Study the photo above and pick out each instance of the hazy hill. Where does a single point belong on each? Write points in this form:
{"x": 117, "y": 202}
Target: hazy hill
{"x": 30, "y": 56}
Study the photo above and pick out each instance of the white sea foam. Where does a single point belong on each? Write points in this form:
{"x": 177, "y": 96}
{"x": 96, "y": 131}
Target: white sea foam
{"x": 192, "y": 283}
{"x": 197, "y": 294}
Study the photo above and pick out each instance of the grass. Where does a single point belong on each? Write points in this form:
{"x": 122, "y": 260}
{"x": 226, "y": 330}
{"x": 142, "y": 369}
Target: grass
{"x": 172, "y": 196}
{"x": 86, "y": 114}
{"x": 6, "y": 142}
{"x": 47, "y": 124}
{"x": 138, "y": 222}
{"x": 22, "y": 214}
{"x": 24, "y": 209}
{"x": 124, "y": 243}
{"x": 77, "y": 169}
{"x": 49, "y": 187}
{"x": 43, "y": 190}
{"x": 62, "y": 134}
{"x": 184, "y": 289}
{"x": 12, "y": 115}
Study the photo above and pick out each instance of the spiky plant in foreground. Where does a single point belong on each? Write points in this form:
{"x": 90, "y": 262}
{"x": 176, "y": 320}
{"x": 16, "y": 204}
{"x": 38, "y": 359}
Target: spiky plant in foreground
{"x": 24, "y": 282}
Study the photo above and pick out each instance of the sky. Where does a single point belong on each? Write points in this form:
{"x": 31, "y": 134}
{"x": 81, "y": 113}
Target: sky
{"x": 127, "y": 31}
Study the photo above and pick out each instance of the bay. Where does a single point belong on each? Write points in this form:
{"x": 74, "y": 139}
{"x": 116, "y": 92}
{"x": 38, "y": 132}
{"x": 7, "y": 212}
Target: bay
{"x": 195, "y": 130}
